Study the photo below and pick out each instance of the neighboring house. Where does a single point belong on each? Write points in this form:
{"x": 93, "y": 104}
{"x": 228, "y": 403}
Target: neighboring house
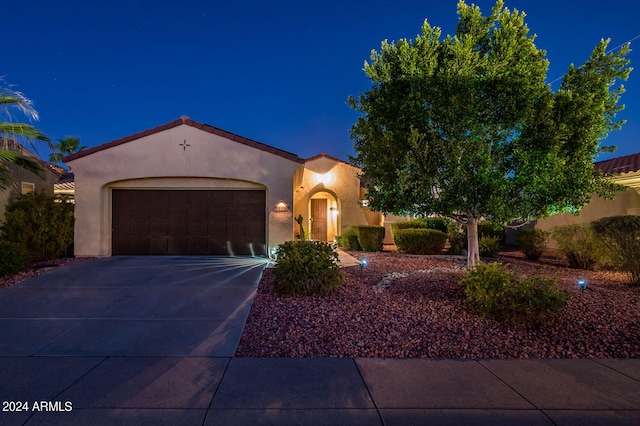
{"x": 25, "y": 181}
{"x": 623, "y": 170}
{"x": 65, "y": 186}
{"x": 190, "y": 188}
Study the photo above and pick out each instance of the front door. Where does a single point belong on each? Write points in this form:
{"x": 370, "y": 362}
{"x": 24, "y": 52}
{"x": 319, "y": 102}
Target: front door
{"x": 319, "y": 219}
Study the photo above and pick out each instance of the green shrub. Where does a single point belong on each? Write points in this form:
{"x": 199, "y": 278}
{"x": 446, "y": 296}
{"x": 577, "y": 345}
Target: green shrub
{"x": 436, "y": 223}
{"x": 489, "y": 246}
{"x": 370, "y": 237}
{"x": 420, "y": 240}
{"x": 621, "y": 236}
{"x": 13, "y": 258}
{"x": 41, "y": 223}
{"x": 306, "y": 268}
{"x": 533, "y": 242}
{"x": 492, "y": 230}
{"x": 579, "y": 245}
{"x": 457, "y": 237}
{"x": 349, "y": 240}
{"x": 405, "y": 224}
{"x": 495, "y": 292}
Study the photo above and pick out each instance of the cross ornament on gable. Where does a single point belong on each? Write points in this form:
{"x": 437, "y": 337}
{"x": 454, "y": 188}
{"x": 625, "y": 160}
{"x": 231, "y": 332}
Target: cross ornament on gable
{"x": 184, "y": 145}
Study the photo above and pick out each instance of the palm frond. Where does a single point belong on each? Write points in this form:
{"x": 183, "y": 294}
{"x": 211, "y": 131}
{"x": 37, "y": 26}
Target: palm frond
{"x": 20, "y": 160}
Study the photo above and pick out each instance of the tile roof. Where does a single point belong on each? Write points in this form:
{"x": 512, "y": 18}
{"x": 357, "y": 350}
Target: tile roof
{"x": 626, "y": 164}
{"x": 187, "y": 121}
{"x": 323, "y": 155}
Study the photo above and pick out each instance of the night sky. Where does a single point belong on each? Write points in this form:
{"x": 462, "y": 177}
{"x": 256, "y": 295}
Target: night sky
{"x": 278, "y": 72}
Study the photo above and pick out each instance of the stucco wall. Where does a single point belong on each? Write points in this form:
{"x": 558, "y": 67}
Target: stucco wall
{"x": 627, "y": 202}
{"x": 326, "y": 174}
{"x": 20, "y": 175}
{"x": 160, "y": 161}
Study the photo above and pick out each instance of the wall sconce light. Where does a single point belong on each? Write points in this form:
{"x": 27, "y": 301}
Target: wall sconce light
{"x": 281, "y": 207}
{"x": 363, "y": 203}
{"x": 334, "y": 210}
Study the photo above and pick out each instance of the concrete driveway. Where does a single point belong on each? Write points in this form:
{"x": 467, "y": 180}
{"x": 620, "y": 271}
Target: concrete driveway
{"x": 131, "y": 306}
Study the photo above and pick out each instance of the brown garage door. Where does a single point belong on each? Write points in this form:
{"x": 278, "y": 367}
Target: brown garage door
{"x": 167, "y": 222}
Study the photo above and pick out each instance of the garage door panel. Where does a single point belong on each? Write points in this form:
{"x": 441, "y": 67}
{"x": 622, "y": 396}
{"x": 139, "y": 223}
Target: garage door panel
{"x": 179, "y": 228}
{"x": 158, "y": 246}
{"x": 189, "y": 222}
{"x": 197, "y": 229}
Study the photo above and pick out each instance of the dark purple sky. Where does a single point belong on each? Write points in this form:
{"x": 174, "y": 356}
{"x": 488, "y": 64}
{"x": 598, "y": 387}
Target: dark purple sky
{"x": 278, "y": 72}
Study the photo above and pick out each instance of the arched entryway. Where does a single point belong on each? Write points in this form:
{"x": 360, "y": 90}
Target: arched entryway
{"x": 323, "y": 216}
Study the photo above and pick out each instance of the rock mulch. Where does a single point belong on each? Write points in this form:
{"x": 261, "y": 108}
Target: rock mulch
{"x": 38, "y": 268}
{"x": 403, "y": 306}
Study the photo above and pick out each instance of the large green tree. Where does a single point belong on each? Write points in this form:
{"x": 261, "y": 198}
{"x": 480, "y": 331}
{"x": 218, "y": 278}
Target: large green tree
{"x": 12, "y": 131}
{"x": 466, "y": 126}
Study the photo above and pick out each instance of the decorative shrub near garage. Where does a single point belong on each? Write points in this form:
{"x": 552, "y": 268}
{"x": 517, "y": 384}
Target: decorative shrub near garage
{"x": 306, "y": 268}
{"x": 13, "y": 258}
{"x": 420, "y": 240}
{"x": 495, "y": 292}
{"x": 370, "y": 237}
{"x": 41, "y": 223}
{"x": 533, "y": 242}
{"x": 621, "y": 237}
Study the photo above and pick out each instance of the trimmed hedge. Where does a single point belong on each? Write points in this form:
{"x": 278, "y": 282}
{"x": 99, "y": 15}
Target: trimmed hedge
{"x": 349, "y": 240}
{"x": 370, "y": 237}
{"x": 621, "y": 236}
{"x": 306, "y": 268}
{"x": 420, "y": 240}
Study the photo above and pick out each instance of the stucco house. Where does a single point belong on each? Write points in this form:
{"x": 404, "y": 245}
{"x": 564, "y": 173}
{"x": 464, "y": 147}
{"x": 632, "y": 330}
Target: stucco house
{"x": 25, "y": 181}
{"x": 188, "y": 188}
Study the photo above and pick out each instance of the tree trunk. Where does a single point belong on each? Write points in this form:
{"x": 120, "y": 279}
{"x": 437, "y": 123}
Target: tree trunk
{"x": 473, "y": 253}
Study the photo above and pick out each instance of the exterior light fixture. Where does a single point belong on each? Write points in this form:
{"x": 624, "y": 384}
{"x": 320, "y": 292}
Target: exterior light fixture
{"x": 281, "y": 207}
{"x": 363, "y": 263}
{"x": 334, "y": 210}
{"x": 363, "y": 203}
{"x": 582, "y": 283}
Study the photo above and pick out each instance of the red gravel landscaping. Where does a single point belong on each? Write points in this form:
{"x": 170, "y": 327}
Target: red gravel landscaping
{"x": 421, "y": 313}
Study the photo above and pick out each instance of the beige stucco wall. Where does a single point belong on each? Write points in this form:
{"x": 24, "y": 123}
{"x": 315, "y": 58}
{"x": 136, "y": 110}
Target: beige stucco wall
{"x": 340, "y": 181}
{"x": 20, "y": 175}
{"x": 627, "y": 202}
{"x": 159, "y": 161}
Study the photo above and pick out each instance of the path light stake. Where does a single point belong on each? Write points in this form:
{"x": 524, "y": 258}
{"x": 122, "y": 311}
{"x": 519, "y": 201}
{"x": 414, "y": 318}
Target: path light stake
{"x": 582, "y": 283}
{"x": 363, "y": 263}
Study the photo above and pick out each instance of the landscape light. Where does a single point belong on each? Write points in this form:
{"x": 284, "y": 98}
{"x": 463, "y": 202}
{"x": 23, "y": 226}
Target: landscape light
{"x": 363, "y": 263}
{"x": 582, "y": 283}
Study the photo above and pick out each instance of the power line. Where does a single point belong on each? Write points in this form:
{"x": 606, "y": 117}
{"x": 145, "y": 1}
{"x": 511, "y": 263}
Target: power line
{"x": 609, "y": 51}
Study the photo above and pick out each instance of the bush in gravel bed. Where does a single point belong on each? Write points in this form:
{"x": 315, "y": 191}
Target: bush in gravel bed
{"x": 533, "y": 242}
{"x": 621, "y": 236}
{"x": 579, "y": 245}
{"x": 13, "y": 258}
{"x": 349, "y": 240}
{"x": 370, "y": 237}
{"x": 495, "y": 292}
{"x": 489, "y": 246}
{"x": 420, "y": 241}
{"x": 306, "y": 268}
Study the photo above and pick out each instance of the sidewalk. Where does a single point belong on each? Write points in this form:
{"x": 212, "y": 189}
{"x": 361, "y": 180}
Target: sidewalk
{"x": 327, "y": 391}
